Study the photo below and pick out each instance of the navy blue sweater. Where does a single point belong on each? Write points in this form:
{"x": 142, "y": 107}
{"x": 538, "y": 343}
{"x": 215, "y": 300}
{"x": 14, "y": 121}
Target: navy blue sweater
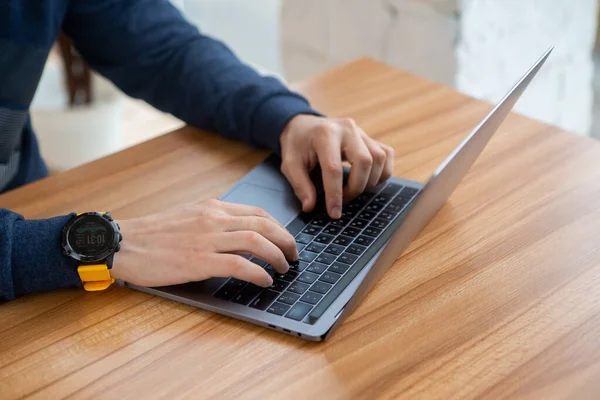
{"x": 150, "y": 52}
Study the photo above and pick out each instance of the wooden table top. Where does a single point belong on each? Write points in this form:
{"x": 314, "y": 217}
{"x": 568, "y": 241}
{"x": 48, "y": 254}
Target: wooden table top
{"x": 498, "y": 297}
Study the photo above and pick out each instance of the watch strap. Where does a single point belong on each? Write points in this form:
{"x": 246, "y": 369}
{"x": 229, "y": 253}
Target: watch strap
{"x": 95, "y": 277}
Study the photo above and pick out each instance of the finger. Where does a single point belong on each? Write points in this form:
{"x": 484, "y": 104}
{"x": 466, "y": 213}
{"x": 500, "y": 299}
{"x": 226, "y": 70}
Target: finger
{"x": 361, "y": 162}
{"x": 241, "y": 210}
{"x": 297, "y": 175}
{"x": 274, "y": 233}
{"x": 250, "y": 242}
{"x": 379, "y": 160}
{"x": 330, "y": 159}
{"x": 388, "y": 168}
{"x": 227, "y": 265}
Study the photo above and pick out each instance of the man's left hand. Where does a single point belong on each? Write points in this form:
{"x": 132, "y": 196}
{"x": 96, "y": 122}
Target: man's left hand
{"x": 308, "y": 140}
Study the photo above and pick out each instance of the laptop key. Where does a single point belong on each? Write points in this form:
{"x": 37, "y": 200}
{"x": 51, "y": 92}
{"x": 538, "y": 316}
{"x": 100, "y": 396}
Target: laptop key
{"x": 299, "y": 246}
{"x": 288, "y": 276}
{"x": 311, "y": 297}
{"x": 279, "y": 285}
{"x": 388, "y": 216}
{"x": 339, "y": 268}
{"x": 347, "y": 258}
{"x": 365, "y": 196}
{"x": 409, "y": 191}
{"x": 391, "y": 189}
{"x": 299, "y": 311}
{"x": 400, "y": 200}
{"x": 247, "y": 294}
{"x": 334, "y": 249}
{"x": 296, "y": 225}
{"x": 288, "y": 298}
{"x": 311, "y": 230}
{"x": 264, "y": 299}
{"x": 330, "y": 277}
{"x": 404, "y": 197}
{"x": 353, "y": 206}
{"x": 352, "y": 232}
{"x": 342, "y": 240}
{"x": 308, "y": 277}
{"x": 307, "y": 256}
{"x": 379, "y": 223}
{"x": 298, "y": 287}
{"x": 320, "y": 220}
{"x": 382, "y": 199}
{"x": 304, "y": 238}
{"x": 324, "y": 238}
{"x": 332, "y": 230}
{"x": 372, "y": 231}
{"x": 349, "y": 213}
{"x": 320, "y": 287}
{"x": 394, "y": 208}
{"x": 315, "y": 247}
{"x": 356, "y": 249}
{"x": 325, "y": 259}
{"x": 230, "y": 289}
{"x": 278, "y": 308}
{"x": 373, "y": 207}
{"x": 359, "y": 223}
{"x": 367, "y": 215}
{"x": 270, "y": 271}
{"x": 317, "y": 268}
{"x": 298, "y": 266}
{"x": 340, "y": 222}
{"x": 363, "y": 240}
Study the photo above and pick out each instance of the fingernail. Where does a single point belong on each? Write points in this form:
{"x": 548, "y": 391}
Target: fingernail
{"x": 336, "y": 212}
{"x": 269, "y": 281}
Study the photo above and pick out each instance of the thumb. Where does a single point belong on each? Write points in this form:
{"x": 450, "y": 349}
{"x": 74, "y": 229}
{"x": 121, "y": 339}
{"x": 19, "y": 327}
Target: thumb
{"x": 297, "y": 174}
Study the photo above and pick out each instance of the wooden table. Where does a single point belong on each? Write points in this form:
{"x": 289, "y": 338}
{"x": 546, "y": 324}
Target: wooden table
{"x": 498, "y": 297}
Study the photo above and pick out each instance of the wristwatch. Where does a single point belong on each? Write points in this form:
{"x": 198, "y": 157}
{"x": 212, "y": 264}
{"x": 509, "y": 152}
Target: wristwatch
{"x": 91, "y": 239}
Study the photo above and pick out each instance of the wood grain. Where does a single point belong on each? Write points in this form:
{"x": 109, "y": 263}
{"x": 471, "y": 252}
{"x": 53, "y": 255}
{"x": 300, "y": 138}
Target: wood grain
{"x": 498, "y": 298}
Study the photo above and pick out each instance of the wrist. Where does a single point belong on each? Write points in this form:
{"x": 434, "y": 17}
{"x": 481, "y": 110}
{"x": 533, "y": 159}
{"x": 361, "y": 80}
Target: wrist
{"x": 126, "y": 254}
{"x": 295, "y": 124}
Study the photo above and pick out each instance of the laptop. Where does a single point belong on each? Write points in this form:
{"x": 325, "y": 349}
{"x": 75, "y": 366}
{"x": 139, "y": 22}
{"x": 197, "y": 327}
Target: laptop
{"x": 340, "y": 260}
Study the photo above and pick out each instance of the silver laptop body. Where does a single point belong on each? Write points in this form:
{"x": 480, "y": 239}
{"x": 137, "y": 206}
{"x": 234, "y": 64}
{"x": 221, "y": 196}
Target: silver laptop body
{"x": 316, "y": 297}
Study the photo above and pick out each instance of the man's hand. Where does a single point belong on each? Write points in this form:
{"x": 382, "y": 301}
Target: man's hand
{"x": 201, "y": 241}
{"x": 308, "y": 140}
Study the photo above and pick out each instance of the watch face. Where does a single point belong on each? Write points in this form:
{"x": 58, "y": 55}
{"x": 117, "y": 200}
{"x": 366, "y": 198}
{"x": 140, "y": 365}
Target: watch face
{"x": 91, "y": 236}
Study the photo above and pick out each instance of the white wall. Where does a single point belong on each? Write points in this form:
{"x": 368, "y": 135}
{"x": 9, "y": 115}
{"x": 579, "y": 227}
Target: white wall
{"x": 500, "y": 40}
{"x": 479, "y": 46}
{"x": 249, "y": 27}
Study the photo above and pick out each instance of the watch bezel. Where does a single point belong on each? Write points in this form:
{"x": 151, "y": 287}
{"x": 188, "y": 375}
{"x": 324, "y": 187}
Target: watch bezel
{"x": 82, "y": 258}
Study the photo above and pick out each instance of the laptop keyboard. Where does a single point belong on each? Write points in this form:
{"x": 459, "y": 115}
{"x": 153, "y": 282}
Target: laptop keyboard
{"x": 330, "y": 256}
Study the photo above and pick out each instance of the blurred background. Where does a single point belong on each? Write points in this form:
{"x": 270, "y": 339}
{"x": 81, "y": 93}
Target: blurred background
{"x": 479, "y": 47}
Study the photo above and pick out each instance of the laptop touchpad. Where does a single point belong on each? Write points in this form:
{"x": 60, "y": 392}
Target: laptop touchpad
{"x": 280, "y": 204}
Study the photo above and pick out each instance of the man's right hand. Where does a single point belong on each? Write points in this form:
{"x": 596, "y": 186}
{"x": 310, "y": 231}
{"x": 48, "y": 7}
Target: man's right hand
{"x": 201, "y": 241}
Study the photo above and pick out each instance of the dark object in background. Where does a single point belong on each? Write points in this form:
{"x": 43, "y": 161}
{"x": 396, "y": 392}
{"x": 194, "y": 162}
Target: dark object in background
{"x": 78, "y": 74}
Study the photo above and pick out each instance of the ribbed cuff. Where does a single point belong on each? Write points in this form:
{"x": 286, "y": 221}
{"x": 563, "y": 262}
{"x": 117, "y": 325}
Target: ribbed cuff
{"x": 37, "y": 260}
{"x": 272, "y": 116}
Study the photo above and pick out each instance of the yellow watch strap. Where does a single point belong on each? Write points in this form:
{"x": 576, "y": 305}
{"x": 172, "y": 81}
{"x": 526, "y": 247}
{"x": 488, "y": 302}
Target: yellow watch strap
{"x": 95, "y": 277}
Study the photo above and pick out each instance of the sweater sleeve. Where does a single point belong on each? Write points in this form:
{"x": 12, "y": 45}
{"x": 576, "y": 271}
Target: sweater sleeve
{"x": 150, "y": 51}
{"x": 31, "y": 259}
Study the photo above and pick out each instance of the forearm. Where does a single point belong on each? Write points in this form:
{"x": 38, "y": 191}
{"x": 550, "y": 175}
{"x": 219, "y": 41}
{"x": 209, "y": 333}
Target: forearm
{"x": 151, "y": 52}
{"x": 30, "y": 256}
